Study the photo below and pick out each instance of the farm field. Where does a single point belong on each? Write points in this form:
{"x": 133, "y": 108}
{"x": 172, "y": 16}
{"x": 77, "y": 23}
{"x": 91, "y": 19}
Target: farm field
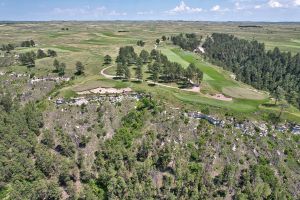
{"x": 89, "y": 42}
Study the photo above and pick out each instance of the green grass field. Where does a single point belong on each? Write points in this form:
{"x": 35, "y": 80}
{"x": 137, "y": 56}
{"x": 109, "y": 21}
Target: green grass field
{"x": 89, "y": 42}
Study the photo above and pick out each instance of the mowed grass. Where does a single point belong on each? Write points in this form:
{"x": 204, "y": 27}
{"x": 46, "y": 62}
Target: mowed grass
{"x": 173, "y": 57}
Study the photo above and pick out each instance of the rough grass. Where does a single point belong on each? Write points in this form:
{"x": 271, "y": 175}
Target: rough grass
{"x": 243, "y": 93}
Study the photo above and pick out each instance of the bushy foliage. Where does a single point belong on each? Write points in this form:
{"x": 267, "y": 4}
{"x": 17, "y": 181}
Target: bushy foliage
{"x": 188, "y": 41}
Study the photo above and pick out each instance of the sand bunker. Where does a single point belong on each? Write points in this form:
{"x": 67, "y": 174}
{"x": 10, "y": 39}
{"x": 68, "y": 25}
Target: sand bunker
{"x": 221, "y": 97}
{"x": 101, "y": 90}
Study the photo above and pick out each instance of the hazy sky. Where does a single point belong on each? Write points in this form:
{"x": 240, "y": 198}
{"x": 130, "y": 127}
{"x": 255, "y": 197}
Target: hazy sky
{"x": 205, "y": 10}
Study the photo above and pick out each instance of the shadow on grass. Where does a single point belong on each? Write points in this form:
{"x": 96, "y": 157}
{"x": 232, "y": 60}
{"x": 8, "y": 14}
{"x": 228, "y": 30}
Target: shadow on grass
{"x": 136, "y": 81}
{"x": 151, "y": 84}
{"x": 270, "y": 105}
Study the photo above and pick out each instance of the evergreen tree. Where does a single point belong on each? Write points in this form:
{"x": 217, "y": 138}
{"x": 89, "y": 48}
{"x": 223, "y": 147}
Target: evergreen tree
{"x": 278, "y": 94}
{"x": 40, "y": 54}
{"x": 120, "y": 70}
{"x": 144, "y": 55}
{"x": 107, "y": 60}
{"x": 127, "y": 73}
{"x": 139, "y": 72}
{"x": 51, "y": 53}
{"x": 61, "y": 70}
{"x": 79, "y": 68}
{"x": 56, "y": 65}
{"x": 28, "y": 59}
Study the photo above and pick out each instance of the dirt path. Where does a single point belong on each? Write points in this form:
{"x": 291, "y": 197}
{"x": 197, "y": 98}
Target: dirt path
{"x": 107, "y": 75}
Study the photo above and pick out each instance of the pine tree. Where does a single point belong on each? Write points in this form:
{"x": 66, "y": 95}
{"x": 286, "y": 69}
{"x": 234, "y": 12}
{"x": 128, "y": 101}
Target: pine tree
{"x": 56, "y": 65}
{"x": 139, "y": 72}
{"x": 61, "y": 70}
{"x": 107, "y": 59}
{"x": 144, "y": 55}
{"x": 40, "y": 54}
{"x": 278, "y": 94}
{"x": 127, "y": 72}
{"x": 79, "y": 68}
{"x": 120, "y": 70}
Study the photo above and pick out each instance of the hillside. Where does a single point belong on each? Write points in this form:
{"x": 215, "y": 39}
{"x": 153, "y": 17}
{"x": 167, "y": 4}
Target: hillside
{"x": 115, "y": 110}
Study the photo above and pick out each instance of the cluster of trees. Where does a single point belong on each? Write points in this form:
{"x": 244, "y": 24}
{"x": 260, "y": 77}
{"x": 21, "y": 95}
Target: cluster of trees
{"x": 125, "y": 59}
{"x": 126, "y": 55}
{"x": 25, "y": 178}
{"x": 28, "y": 58}
{"x": 140, "y": 43}
{"x": 28, "y": 43}
{"x": 7, "y": 47}
{"x": 163, "y": 69}
{"x": 158, "y": 65}
{"x": 273, "y": 70}
{"x": 41, "y": 54}
{"x": 188, "y": 41}
{"x": 59, "y": 67}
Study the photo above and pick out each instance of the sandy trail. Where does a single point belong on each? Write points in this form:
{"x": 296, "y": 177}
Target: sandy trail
{"x": 107, "y": 75}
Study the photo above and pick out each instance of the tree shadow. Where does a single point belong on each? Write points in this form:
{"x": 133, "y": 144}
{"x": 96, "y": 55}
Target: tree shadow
{"x": 137, "y": 81}
{"x": 184, "y": 85}
{"x": 269, "y": 105}
{"x": 117, "y": 78}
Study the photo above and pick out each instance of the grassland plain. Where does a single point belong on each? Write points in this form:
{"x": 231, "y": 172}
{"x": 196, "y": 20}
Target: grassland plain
{"x": 89, "y": 42}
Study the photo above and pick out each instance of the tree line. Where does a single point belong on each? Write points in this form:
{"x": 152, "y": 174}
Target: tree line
{"x": 188, "y": 41}
{"x": 59, "y": 68}
{"x": 275, "y": 71}
{"x": 9, "y": 47}
{"x": 28, "y": 58}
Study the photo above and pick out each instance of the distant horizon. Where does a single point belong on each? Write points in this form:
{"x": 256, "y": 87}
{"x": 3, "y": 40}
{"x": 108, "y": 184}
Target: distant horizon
{"x": 155, "y": 10}
{"x": 158, "y": 20}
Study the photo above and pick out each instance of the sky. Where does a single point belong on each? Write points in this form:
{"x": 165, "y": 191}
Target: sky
{"x": 195, "y": 10}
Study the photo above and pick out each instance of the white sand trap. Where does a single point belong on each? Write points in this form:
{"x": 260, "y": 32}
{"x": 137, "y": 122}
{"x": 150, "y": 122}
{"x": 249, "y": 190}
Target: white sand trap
{"x": 221, "y": 97}
{"x": 101, "y": 90}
